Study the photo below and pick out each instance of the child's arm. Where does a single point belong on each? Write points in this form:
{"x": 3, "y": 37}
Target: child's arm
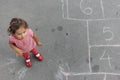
{"x": 16, "y": 49}
{"x": 37, "y": 40}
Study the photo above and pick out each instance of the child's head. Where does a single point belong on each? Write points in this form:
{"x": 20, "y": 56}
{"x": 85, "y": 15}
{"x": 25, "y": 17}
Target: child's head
{"x": 18, "y": 27}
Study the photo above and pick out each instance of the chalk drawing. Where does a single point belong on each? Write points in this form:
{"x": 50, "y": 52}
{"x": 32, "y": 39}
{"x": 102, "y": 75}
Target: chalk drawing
{"x": 107, "y": 30}
{"x": 65, "y": 13}
{"x": 63, "y": 71}
{"x": 62, "y": 74}
{"x": 59, "y": 75}
{"x": 65, "y": 10}
{"x": 87, "y": 11}
{"x": 62, "y": 2}
{"x": 101, "y": 2}
{"x": 105, "y": 45}
{"x": 88, "y": 47}
{"x": 21, "y": 73}
{"x": 75, "y": 19}
{"x": 105, "y": 76}
{"x": 108, "y": 58}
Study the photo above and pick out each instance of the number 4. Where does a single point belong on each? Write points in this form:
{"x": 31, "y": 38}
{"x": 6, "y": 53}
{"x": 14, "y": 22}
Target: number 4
{"x": 103, "y": 57}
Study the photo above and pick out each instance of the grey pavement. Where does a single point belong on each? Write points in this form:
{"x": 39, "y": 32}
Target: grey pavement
{"x": 81, "y": 39}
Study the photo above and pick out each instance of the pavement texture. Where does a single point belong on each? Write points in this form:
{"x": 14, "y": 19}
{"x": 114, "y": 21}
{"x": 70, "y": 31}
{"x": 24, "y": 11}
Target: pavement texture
{"x": 81, "y": 39}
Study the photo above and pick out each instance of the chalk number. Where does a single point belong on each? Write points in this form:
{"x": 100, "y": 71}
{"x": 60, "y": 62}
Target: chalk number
{"x": 107, "y": 30}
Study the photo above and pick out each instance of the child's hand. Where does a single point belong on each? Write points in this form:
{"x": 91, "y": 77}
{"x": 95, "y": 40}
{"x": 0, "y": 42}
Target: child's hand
{"x": 19, "y": 52}
{"x": 39, "y": 43}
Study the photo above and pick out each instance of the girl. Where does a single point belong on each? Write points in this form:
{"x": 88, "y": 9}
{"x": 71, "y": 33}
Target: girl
{"x": 23, "y": 40}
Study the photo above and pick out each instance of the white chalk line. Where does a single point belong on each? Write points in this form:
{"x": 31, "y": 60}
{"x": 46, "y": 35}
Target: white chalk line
{"x": 77, "y": 19}
{"x": 108, "y": 30}
{"x": 102, "y": 7}
{"x": 105, "y": 77}
{"x": 73, "y": 74}
{"x": 108, "y": 58}
{"x": 88, "y": 47}
{"x": 63, "y": 13}
{"x": 65, "y": 2}
{"x": 89, "y": 73}
{"x": 60, "y": 75}
{"x": 83, "y": 10}
{"x": 104, "y": 45}
{"x": 67, "y": 8}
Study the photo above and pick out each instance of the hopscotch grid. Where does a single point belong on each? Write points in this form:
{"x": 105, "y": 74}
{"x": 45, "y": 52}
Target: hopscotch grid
{"x": 66, "y": 74}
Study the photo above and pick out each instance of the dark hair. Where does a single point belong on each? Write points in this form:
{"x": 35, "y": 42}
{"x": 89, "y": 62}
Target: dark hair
{"x": 15, "y": 24}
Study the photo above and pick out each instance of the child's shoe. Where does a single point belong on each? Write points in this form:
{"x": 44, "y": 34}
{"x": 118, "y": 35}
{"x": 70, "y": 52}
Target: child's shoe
{"x": 28, "y": 62}
{"x": 39, "y": 56}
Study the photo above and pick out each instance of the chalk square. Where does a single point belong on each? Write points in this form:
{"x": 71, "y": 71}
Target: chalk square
{"x": 74, "y": 50}
{"x": 105, "y": 59}
{"x": 104, "y": 32}
{"x": 83, "y": 9}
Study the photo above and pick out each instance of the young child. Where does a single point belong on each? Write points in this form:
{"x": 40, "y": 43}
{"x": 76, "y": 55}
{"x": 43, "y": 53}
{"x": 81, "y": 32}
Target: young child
{"x": 23, "y": 40}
